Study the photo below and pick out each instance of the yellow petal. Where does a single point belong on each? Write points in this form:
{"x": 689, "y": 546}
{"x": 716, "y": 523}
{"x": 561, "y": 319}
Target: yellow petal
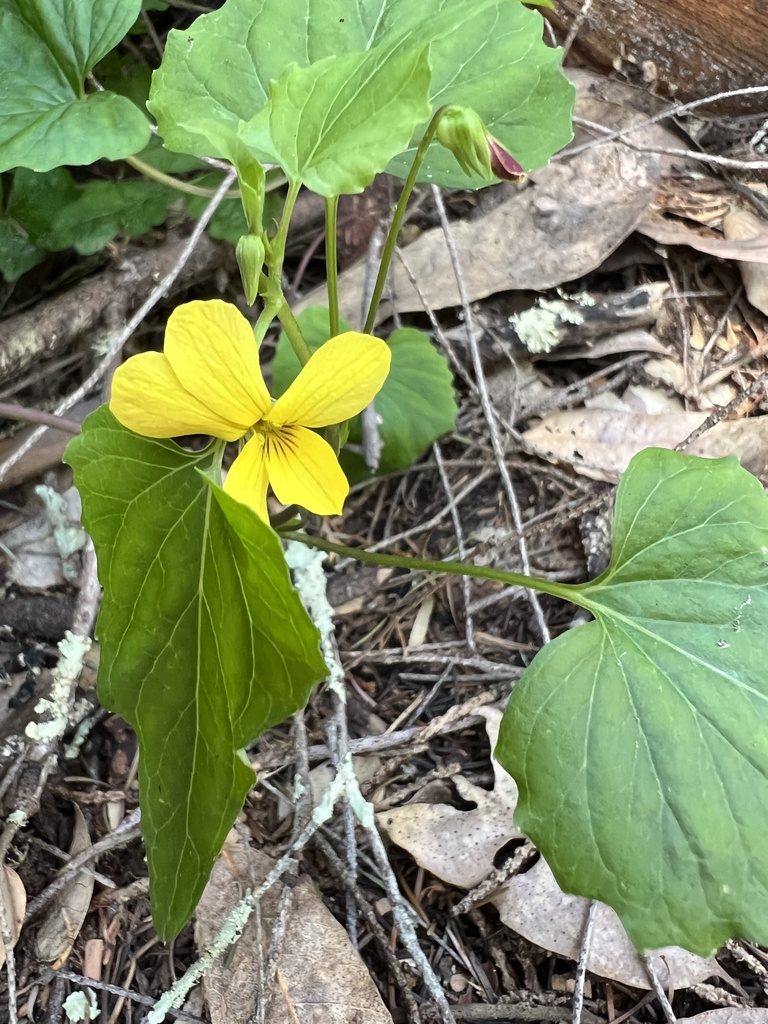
{"x": 246, "y": 480}
{"x": 211, "y": 349}
{"x": 303, "y": 470}
{"x": 148, "y": 398}
{"x": 338, "y": 382}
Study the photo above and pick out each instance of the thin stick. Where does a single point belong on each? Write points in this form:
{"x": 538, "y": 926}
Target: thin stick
{"x": 153, "y": 298}
{"x": 10, "y": 961}
{"x": 680, "y": 108}
{"x": 658, "y": 988}
{"x": 576, "y": 24}
{"x": 757, "y": 385}
{"x": 581, "y": 967}
{"x": 490, "y": 419}
{"x": 405, "y": 925}
{"x": 9, "y": 411}
{"x": 466, "y": 586}
{"x": 126, "y": 832}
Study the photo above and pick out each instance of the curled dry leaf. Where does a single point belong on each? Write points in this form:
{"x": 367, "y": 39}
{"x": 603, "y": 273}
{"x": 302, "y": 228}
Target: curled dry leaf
{"x": 459, "y": 847}
{"x": 14, "y": 897}
{"x": 676, "y": 232}
{"x": 67, "y": 910}
{"x": 599, "y": 443}
{"x": 322, "y": 979}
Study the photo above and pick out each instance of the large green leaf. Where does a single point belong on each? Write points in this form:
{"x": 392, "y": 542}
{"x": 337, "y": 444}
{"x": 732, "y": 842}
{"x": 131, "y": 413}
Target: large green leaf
{"x": 335, "y": 124}
{"x": 56, "y": 212}
{"x": 489, "y": 53}
{"x": 204, "y": 642}
{"x": 47, "y": 47}
{"x": 639, "y": 741}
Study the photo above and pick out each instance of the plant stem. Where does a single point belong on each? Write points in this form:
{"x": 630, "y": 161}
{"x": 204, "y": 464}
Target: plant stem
{"x": 397, "y": 220}
{"x": 290, "y": 325}
{"x": 482, "y": 572}
{"x": 331, "y": 263}
{"x": 271, "y": 287}
{"x": 181, "y": 186}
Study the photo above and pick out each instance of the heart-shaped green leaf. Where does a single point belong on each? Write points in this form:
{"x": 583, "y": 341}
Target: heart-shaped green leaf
{"x": 484, "y": 53}
{"x": 204, "y": 642}
{"x": 46, "y": 50}
{"x": 639, "y": 741}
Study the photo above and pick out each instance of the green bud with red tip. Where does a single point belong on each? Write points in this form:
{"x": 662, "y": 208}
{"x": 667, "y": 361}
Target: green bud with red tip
{"x": 461, "y": 130}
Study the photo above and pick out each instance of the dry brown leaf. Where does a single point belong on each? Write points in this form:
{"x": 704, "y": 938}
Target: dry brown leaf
{"x": 459, "y": 847}
{"x": 743, "y": 225}
{"x": 728, "y": 1015}
{"x": 677, "y": 232}
{"x": 14, "y": 897}
{"x": 599, "y": 443}
{"x": 322, "y": 978}
{"x": 533, "y": 905}
{"x": 66, "y": 913}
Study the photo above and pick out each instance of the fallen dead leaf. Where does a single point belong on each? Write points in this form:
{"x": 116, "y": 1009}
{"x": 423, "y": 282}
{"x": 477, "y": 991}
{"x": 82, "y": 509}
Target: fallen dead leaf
{"x": 743, "y": 225}
{"x": 66, "y": 913}
{"x": 322, "y": 979}
{"x": 599, "y": 443}
{"x": 728, "y": 1015}
{"x": 677, "y": 232}
{"x": 460, "y": 846}
{"x": 14, "y": 897}
{"x": 533, "y": 905}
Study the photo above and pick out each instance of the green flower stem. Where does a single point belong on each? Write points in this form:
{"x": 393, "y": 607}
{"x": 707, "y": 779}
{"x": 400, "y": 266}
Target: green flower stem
{"x": 271, "y": 287}
{"x": 397, "y": 220}
{"x": 482, "y": 572}
{"x": 181, "y": 186}
{"x": 290, "y": 325}
{"x": 331, "y": 263}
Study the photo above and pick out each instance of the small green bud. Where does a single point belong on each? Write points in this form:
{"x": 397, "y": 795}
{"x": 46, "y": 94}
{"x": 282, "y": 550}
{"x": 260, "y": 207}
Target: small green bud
{"x": 250, "y": 258}
{"x": 461, "y": 130}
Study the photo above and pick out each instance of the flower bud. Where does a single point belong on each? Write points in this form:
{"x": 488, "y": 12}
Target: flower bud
{"x": 250, "y": 258}
{"x": 461, "y": 130}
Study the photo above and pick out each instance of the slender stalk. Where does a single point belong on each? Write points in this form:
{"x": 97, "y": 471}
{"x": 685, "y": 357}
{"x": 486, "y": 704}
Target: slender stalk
{"x": 290, "y": 325}
{"x": 331, "y": 263}
{"x": 181, "y": 186}
{"x": 277, "y": 244}
{"x": 397, "y": 220}
{"x": 271, "y": 287}
{"x": 482, "y": 572}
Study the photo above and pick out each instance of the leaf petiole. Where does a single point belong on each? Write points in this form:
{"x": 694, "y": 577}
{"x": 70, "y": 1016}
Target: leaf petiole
{"x": 565, "y": 591}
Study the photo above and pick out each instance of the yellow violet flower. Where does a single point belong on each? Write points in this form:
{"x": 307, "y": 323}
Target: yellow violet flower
{"x": 208, "y": 381}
